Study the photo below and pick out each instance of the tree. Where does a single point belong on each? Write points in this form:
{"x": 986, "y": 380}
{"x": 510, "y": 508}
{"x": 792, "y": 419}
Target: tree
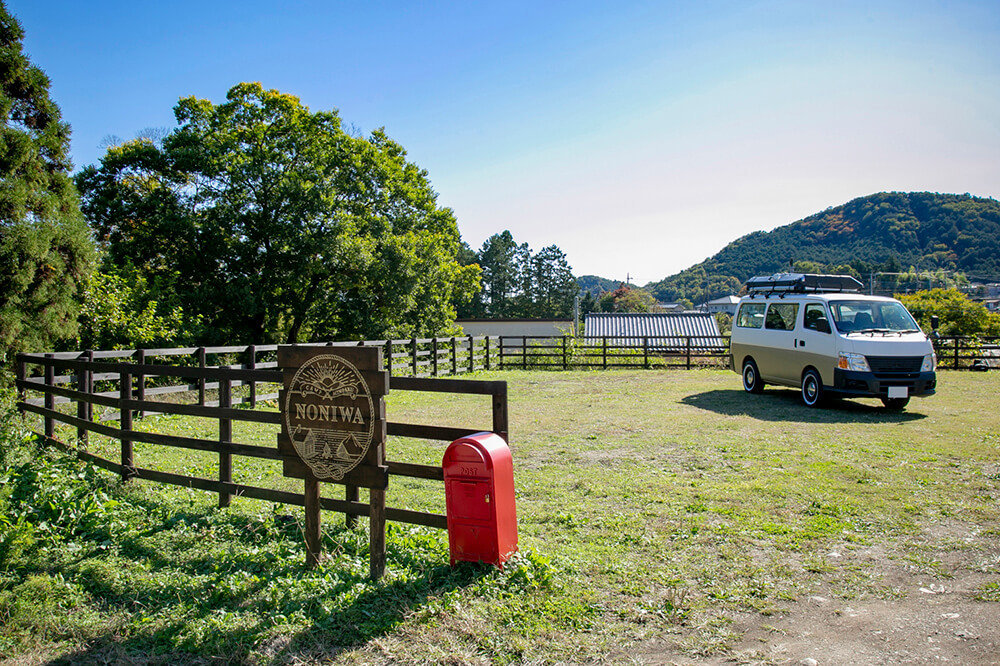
{"x": 118, "y": 314}
{"x": 554, "y": 286}
{"x": 277, "y": 225}
{"x": 499, "y": 258}
{"x": 626, "y": 299}
{"x": 957, "y": 314}
{"x": 519, "y": 283}
{"x": 46, "y": 253}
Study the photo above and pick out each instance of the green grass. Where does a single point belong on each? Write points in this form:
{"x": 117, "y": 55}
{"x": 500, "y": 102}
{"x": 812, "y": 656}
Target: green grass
{"x": 652, "y": 505}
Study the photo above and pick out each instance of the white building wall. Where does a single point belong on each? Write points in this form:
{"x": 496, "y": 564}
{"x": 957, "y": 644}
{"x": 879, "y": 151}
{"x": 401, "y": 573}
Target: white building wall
{"x": 516, "y": 326}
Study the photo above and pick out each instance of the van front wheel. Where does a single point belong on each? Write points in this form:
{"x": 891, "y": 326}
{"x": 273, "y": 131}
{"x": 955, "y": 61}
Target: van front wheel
{"x": 812, "y": 389}
{"x": 752, "y": 382}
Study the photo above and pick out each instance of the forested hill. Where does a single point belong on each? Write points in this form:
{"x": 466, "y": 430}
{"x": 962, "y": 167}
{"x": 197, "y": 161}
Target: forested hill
{"x": 881, "y": 232}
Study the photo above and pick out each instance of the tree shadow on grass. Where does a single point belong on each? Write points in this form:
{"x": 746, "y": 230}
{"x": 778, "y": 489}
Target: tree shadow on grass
{"x": 785, "y": 405}
{"x": 236, "y": 602}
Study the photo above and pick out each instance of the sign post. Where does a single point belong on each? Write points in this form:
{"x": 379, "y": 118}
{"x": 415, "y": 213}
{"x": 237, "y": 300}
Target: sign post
{"x": 333, "y": 429}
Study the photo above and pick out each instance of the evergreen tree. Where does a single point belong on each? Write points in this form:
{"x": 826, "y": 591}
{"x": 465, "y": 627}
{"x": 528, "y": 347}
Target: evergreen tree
{"x": 46, "y": 254}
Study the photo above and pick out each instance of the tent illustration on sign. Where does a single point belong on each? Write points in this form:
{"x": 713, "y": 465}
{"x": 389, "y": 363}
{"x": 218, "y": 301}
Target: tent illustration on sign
{"x": 328, "y": 444}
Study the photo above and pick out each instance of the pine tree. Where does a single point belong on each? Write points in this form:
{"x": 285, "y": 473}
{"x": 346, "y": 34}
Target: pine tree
{"x": 46, "y": 253}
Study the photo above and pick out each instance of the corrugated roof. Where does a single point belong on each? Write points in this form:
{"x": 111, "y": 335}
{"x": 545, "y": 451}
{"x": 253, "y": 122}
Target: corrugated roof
{"x": 665, "y": 330}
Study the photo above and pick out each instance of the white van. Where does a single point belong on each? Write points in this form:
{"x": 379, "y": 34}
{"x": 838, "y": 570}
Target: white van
{"x": 819, "y": 333}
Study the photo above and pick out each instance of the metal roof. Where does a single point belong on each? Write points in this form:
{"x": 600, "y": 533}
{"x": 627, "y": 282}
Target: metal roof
{"x": 665, "y": 330}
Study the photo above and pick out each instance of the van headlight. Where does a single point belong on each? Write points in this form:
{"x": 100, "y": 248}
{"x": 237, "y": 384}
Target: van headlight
{"x": 930, "y": 362}
{"x": 852, "y": 361}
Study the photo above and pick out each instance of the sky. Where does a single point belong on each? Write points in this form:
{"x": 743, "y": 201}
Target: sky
{"x": 639, "y": 137}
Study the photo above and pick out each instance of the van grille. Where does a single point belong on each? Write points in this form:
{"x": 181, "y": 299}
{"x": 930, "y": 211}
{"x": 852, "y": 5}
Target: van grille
{"x": 895, "y": 366}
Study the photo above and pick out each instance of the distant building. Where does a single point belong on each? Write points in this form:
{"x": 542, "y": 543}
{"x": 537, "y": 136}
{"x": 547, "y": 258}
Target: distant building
{"x": 668, "y": 307}
{"x": 664, "y": 330}
{"x": 725, "y": 304}
{"x": 992, "y": 304}
{"x": 516, "y": 326}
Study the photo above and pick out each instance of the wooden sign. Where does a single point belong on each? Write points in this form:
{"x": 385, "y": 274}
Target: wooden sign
{"x": 333, "y": 429}
{"x": 333, "y": 414}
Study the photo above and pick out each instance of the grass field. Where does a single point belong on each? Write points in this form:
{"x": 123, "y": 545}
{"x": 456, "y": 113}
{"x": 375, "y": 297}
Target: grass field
{"x": 658, "y": 511}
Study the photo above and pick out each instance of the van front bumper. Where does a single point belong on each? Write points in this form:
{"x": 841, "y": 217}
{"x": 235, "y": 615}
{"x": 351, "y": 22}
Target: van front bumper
{"x": 868, "y": 384}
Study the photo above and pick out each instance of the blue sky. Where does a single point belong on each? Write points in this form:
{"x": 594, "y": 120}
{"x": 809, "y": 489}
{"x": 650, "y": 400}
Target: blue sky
{"x": 640, "y": 137}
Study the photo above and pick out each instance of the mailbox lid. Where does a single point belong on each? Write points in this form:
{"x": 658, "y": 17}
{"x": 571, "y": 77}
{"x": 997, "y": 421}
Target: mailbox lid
{"x": 465, "y": 457}
{"x": 483, "y": 448}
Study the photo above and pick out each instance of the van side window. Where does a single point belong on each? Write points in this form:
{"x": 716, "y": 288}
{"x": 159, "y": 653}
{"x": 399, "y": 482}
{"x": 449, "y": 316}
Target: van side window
{"x": 781, "y": 316}
{"x": 815, "y": 318}
{"x": 751, "y": 315}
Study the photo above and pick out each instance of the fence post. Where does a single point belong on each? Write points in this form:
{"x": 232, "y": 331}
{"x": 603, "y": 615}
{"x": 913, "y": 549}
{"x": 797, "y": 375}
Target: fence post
{"x": 388, "y": 356}
{"x": 201, "y": 380}
{"x": 125, "y": 417}
{"x": 50, "y": 398}
{"x": 140, "y": 380}
{"x": 565, "y": 359}
{"x": 689, "y": 352}
{"x": 454, "y": 357}
{"x": 434, "y": 356}
{"x": 82, "y": 435}
{"x": 376, "y": 532}
{"x": 956, "y": 352}
{"x": 413, "y": 350}
{"x": 252, "y": 365}
{"x": 604, "y": 350}
{"x": 225, "y": 436}
{"x": 311, "y": 503}
{"x": 500, "y": 351}
{"x": 351, "y": 495}
{"x": 645, "y": 351}
{"x": 500, "y": 424}
{"x": 21, "y": 373}
{"x": 524, "y": 352}
{"x": 472, "y": 354}
{"x": 90, "y": 384}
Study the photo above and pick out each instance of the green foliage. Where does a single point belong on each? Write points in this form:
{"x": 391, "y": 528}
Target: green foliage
{"x": 45, "y": 250}
{"x": 276, "y": 225}
{"x": 118, "y": 313}
{"x": 520, "y": 283}
{"x": 957, "y": 314}
{"x": 882, "y": 232}
{"x": 626, "y": 299}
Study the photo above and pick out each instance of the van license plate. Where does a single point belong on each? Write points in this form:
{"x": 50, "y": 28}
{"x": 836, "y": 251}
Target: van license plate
{"x": 898, "y": 391}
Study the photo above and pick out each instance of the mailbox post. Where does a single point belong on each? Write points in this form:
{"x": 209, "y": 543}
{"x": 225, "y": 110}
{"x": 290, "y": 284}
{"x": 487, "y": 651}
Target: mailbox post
{"x": 479, "y": 497}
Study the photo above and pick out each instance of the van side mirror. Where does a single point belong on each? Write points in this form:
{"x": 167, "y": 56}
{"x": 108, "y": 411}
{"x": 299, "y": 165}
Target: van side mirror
{"x": 823, "y": 325}
{"x": 934, "y": 322}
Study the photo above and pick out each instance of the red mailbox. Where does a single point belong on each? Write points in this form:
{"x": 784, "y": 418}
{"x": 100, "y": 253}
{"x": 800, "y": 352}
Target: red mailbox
{"x": 479, "y": 496}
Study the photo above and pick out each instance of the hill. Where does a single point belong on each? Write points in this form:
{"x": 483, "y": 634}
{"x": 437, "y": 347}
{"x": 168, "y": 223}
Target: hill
{"x": 596, "y": 284}
{"x": 888, "y": 231}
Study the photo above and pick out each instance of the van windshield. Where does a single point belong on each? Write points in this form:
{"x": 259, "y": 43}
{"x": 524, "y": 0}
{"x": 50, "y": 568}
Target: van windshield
{"x": 872, "y": 317}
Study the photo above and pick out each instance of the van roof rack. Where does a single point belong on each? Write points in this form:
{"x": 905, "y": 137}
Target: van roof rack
{"x": 800, "y": 283}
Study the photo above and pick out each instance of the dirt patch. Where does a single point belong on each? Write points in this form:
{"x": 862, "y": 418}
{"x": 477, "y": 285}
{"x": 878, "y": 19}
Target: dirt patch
{"x": 930, "y": 610}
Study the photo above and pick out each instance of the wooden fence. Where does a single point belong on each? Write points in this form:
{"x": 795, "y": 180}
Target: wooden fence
{"x": 103, "y": 392}
{"x": 968, "y": 353}
{"x": 566, "y": 352}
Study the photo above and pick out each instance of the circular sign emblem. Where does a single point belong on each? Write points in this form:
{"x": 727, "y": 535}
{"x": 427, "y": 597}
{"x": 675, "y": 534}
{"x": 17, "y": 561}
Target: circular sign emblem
{"x": 328, "y": 416}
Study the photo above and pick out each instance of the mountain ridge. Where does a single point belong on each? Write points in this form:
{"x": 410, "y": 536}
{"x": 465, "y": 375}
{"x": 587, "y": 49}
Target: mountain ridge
{"x": 884, "y": 231}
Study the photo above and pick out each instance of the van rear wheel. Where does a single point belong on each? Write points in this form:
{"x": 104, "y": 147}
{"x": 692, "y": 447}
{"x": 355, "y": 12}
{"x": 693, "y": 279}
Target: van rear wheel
{"x": 812, "y": 389}
{"x": 752, "y": 382}
{"x": 895, "y": 404}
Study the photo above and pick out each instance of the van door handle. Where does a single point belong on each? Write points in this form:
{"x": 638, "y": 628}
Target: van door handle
{"x": 802, "y": 343}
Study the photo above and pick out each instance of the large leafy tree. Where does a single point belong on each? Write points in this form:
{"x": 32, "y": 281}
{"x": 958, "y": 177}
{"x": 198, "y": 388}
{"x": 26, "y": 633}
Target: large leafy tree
{"x": 275, "y": 224}
{"x": 46, "y": 253}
